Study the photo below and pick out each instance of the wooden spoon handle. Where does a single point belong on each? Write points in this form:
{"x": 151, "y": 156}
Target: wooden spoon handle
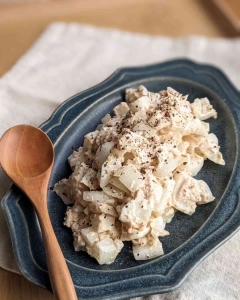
{"x": 60, "y": 277}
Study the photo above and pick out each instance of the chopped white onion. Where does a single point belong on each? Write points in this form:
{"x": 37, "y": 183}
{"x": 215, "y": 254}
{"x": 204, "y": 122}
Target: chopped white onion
{"x": 148, "y": 251}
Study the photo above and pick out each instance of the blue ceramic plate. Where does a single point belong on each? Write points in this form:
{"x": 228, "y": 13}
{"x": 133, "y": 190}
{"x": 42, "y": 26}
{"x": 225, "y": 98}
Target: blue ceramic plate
{"x": 191, "y": 238}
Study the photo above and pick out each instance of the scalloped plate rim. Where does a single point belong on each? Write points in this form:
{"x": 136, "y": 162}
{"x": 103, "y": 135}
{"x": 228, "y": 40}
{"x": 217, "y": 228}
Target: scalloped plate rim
{"x": 117, "y": 75}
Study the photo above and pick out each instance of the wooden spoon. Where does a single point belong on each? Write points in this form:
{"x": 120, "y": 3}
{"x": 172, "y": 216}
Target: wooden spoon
{"x": 27, "y": 156}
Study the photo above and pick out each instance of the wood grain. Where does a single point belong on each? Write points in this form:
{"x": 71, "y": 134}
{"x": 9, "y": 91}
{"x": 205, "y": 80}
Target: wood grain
{"x": 231, "y": 9}
{"x": 30, "y": 170}
{"x": 21, "y": 25}
{"x": 16, "y": 287}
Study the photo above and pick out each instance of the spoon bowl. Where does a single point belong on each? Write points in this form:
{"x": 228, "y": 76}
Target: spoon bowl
{"x": 27, "y": 156}
{"x": 27, "y": 151}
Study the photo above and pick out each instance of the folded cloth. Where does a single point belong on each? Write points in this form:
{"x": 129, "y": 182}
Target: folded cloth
{"x": 69, "y": 58}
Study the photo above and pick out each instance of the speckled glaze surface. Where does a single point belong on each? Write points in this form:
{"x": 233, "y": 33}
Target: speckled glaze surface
{"x": 191, "y": 238}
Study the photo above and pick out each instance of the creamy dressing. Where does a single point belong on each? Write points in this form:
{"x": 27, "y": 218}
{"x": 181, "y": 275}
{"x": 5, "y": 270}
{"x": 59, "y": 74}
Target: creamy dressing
{"x": 136, "y": 170}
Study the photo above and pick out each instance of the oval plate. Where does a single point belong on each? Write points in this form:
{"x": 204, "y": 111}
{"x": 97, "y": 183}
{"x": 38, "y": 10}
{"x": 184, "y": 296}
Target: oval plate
{"x": 191, "y": 238}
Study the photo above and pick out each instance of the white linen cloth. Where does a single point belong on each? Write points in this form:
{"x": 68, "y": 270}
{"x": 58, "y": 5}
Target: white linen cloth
{"x": 69, "y": 58}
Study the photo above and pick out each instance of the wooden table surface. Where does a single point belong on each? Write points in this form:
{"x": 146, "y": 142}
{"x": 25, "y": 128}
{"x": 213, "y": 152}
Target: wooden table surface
{"x": 21, "y": 25}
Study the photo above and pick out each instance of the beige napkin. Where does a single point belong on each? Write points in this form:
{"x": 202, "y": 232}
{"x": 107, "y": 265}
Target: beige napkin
{"x": 69, "y": 58}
